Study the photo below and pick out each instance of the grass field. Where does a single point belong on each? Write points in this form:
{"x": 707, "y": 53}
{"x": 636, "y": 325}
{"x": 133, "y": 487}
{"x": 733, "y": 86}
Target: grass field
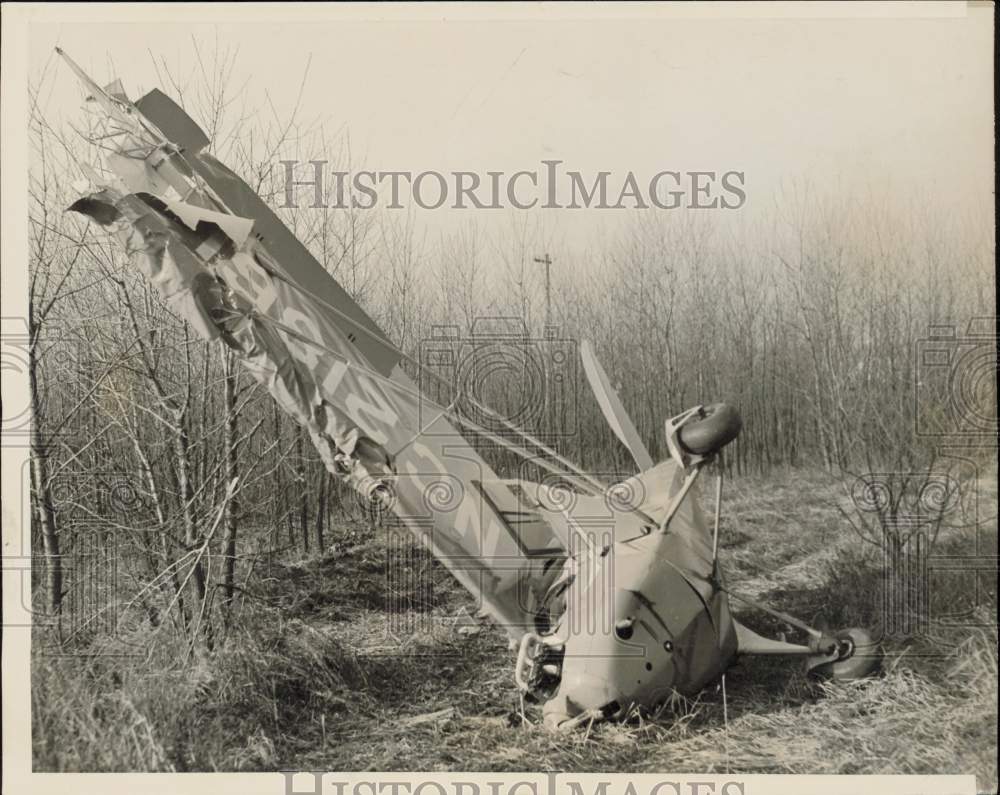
{"x": 327, "y": 669}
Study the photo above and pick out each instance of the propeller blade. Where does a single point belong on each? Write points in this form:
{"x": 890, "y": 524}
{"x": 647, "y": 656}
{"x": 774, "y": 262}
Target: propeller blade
{"x": 614, "y": 411}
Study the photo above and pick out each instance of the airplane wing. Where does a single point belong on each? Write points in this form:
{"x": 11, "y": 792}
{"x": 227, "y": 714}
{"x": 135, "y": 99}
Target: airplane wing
{"x": 228, "y": 265}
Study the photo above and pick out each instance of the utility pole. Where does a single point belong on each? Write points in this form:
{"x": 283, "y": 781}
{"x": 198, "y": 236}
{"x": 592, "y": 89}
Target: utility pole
{"x": 553, "y": 401}
{"x": 546, "y": 260}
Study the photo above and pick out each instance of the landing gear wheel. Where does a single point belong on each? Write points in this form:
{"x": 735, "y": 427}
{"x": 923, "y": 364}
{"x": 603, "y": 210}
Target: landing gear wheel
{"x": 858, "y": 655}
{"x": 716, "y": 427}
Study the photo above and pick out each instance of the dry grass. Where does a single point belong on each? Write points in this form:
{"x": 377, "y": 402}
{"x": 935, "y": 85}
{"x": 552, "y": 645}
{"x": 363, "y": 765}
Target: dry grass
{"x": 327, "y": 671}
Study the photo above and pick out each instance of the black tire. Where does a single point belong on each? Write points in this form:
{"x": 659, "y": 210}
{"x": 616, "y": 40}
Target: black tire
{"x": 860, "y": 657}
{"x": 717, "y": 426}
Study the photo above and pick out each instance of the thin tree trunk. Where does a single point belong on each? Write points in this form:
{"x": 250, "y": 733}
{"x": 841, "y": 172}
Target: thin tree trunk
{"x": 321, "y": 510}
{"x": 161, "y": 522}
{"x": 231, "y": 469}
{"x": 41, "y": 493}
{"x": 45, "y": 516}
{"x": 300, "y": 482}
{"x": 191, "y": 535}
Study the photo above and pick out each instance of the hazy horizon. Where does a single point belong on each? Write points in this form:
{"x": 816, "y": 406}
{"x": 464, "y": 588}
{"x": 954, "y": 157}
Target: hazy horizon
{"x": 890, "y": 107}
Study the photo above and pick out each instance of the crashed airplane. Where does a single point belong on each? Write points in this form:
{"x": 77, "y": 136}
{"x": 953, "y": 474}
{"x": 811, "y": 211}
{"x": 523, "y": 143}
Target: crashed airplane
{"x": 612, "y": 594}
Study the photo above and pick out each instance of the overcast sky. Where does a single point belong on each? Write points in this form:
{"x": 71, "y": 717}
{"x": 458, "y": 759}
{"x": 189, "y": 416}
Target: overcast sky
{"x": 903, "y": 103}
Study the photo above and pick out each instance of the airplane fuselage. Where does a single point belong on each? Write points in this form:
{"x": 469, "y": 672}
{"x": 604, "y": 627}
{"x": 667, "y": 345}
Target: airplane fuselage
{"x": 636, "y": 630}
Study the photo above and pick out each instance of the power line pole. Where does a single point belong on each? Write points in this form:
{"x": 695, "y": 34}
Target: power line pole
{"x": 546, "y": 260}
{"x": 553, "y": 397}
